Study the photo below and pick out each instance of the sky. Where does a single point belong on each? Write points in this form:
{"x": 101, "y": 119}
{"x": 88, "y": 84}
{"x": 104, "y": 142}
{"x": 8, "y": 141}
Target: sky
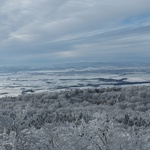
{"x": 43, "y": 32}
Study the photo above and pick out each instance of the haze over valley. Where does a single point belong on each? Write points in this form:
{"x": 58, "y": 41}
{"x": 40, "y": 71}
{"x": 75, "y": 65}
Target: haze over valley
{"x": 25, "y": 80}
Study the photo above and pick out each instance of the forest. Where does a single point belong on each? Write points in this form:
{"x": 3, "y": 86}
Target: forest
{"x": 113, "y": 118}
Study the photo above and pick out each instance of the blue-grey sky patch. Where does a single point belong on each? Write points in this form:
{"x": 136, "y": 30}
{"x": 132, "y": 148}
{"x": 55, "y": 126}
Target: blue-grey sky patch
{"x": 53, "y": 31}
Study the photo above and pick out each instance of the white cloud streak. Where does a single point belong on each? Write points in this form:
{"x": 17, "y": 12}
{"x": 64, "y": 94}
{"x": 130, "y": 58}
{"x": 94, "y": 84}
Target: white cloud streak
{"x": 70, "y": 27}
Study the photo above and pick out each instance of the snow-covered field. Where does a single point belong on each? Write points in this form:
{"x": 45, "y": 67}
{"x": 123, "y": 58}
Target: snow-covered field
{"x": 21, "y": 81}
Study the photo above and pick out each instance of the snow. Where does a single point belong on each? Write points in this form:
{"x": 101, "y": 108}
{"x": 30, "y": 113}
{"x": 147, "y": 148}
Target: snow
{"x": 14, "y": 83}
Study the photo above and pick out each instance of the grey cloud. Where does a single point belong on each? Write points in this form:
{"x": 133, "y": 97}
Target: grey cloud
{"x": 33, "y": 28}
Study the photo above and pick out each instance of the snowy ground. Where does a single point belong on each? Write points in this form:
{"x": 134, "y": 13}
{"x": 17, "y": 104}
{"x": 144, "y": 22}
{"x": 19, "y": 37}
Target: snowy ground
{"x": 13, "y": 83}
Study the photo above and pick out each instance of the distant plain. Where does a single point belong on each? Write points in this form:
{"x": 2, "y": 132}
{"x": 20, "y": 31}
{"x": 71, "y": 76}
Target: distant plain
{"x": 24, "y": 80}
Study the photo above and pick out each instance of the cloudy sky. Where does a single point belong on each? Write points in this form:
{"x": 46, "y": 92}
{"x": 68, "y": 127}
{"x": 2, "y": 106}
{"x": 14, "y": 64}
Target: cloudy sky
{"x": 56, "y": 31}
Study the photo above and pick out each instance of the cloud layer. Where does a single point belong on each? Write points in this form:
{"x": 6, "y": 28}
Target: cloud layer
{"x": 46, "y": 31}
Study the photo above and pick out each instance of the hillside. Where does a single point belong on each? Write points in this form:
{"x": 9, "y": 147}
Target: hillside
{"x": 91, "y": 119}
